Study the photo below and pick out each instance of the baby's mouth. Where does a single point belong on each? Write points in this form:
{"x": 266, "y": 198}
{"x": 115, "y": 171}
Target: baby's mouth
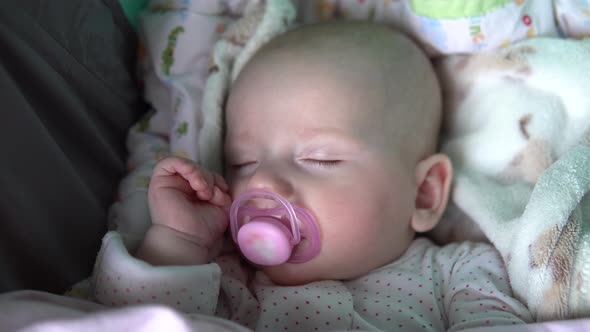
{"x": 272, "y": 234}
{"x": 302, "y": 246}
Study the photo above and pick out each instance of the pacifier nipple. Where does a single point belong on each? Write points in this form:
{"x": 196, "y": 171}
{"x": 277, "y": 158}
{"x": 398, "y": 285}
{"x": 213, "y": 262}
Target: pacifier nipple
{"x": 270, "y": 236}
{"x": 265, "y": 241}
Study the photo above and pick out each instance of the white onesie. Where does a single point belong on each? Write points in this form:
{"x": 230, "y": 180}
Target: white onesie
{"x": 429, "y": 288}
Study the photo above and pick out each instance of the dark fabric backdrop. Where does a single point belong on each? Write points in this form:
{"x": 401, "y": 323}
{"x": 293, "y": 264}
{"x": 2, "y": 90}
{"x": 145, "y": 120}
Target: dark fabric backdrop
{"x": 67, "y": 98}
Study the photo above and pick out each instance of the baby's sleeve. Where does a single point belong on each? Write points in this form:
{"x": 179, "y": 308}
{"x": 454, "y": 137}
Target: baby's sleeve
{"x": 120, "y": 279}
{"x": 478, "y": 291}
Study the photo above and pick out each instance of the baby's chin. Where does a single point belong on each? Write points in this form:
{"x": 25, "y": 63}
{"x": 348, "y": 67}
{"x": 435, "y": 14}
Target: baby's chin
{"x": 301, "y": 274}
{"x": 326, "y": 267}
{"x": 290, "y": 275}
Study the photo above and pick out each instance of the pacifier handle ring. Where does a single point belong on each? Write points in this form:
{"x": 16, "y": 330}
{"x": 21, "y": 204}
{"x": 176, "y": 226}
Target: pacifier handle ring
{"x": 261, "y": 193}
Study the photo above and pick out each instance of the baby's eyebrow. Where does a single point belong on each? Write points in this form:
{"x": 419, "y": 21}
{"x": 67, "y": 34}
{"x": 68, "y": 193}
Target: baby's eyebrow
{"x": 237, "y": 138}
{"x": 234, "y": 147}
{"x": 331, "y": 137}
{"x": 312, "y": 132}
{"x": 240, "y": 135}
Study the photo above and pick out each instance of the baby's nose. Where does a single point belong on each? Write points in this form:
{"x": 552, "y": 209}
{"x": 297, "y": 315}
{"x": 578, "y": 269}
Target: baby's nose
{"x": 271, "y": 178}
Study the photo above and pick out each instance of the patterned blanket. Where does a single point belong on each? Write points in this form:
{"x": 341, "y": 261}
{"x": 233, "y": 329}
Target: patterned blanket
{"x": 512, "y": 129}
{"x": 516, "y": 130}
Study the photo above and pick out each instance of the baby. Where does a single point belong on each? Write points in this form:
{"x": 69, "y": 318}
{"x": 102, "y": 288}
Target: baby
{"x": 340, "y": 120}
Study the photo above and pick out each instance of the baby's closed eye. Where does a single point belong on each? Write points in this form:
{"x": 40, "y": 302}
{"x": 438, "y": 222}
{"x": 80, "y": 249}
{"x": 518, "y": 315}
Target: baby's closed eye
{"x": 327, "y": 163}
{"x": 242, "y": 163}
{"x": 243, "y": 166}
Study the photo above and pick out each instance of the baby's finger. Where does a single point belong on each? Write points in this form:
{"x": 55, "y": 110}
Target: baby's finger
{"x": 173, "y": 165}
{"x": 206, "y": 193}
{"x": 173, "y": 181}
{"x": 199, "y": 180}
{"x": 220, "y": 182}
{"x": 220, "y": 198}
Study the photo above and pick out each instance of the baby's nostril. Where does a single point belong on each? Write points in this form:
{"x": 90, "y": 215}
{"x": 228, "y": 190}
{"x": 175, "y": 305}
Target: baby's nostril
{"x": 263, "y": 203}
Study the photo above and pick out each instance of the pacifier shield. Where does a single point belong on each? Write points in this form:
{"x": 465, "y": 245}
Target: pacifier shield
{"x": 272, "y": 236}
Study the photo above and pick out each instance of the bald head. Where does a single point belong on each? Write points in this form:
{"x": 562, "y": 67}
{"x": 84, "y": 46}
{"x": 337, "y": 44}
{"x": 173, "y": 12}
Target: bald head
{"x": 400, "y": 96}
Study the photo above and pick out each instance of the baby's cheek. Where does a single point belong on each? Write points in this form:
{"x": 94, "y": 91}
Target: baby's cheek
{"x": 348, "y": 212}
{"x": 351, "y": 229}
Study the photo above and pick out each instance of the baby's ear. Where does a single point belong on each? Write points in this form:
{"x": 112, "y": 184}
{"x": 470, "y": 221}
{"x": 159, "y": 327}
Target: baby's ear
{"x": 433, "y": 176}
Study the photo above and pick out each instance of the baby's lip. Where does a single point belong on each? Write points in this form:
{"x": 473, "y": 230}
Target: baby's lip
{"x": 301, "y": 246}
{"x": 275, "y": 212}
{"x": 264, "y": 204}
{"x": 258, "y": 211}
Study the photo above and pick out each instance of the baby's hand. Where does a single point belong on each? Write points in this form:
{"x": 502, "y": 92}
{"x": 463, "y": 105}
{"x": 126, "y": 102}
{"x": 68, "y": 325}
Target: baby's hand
{"x": 189, "y": 200}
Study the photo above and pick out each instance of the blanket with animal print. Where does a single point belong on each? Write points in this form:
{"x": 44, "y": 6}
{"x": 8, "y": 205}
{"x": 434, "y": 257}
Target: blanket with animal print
{"x": 516, "y": 129}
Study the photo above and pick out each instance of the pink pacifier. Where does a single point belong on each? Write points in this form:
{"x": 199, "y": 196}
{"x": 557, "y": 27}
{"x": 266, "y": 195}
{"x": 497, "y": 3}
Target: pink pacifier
{"x": 269, "y": 236}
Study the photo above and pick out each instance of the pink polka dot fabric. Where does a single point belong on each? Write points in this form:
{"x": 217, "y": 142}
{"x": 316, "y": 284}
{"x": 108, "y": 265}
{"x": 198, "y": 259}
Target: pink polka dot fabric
{"x": 428, "y": 289}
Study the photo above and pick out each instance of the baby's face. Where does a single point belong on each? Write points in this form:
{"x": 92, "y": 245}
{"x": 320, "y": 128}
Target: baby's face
{"x": 313, "y": 136}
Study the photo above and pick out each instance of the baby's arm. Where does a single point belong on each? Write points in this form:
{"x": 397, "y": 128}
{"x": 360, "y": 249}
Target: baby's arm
{"x": 188, "y": 207}
{"x": 119, "y": 279}
{"x": 478, "y": 292}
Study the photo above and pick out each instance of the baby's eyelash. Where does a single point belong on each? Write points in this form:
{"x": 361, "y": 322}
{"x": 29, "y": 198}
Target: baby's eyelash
{"x": 323, "y": 163}
{"x": 240, "y": 165}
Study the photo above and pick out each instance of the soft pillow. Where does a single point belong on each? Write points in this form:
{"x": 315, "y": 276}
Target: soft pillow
{"x": 68, "y": 97}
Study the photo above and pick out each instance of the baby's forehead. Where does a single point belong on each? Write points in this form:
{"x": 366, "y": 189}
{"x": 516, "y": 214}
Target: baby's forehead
{"x": 342, "y": 46}
{"x": 340, "y": 92}
{"x": 373, "y": 56}
{"x": 374, "y": 69}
